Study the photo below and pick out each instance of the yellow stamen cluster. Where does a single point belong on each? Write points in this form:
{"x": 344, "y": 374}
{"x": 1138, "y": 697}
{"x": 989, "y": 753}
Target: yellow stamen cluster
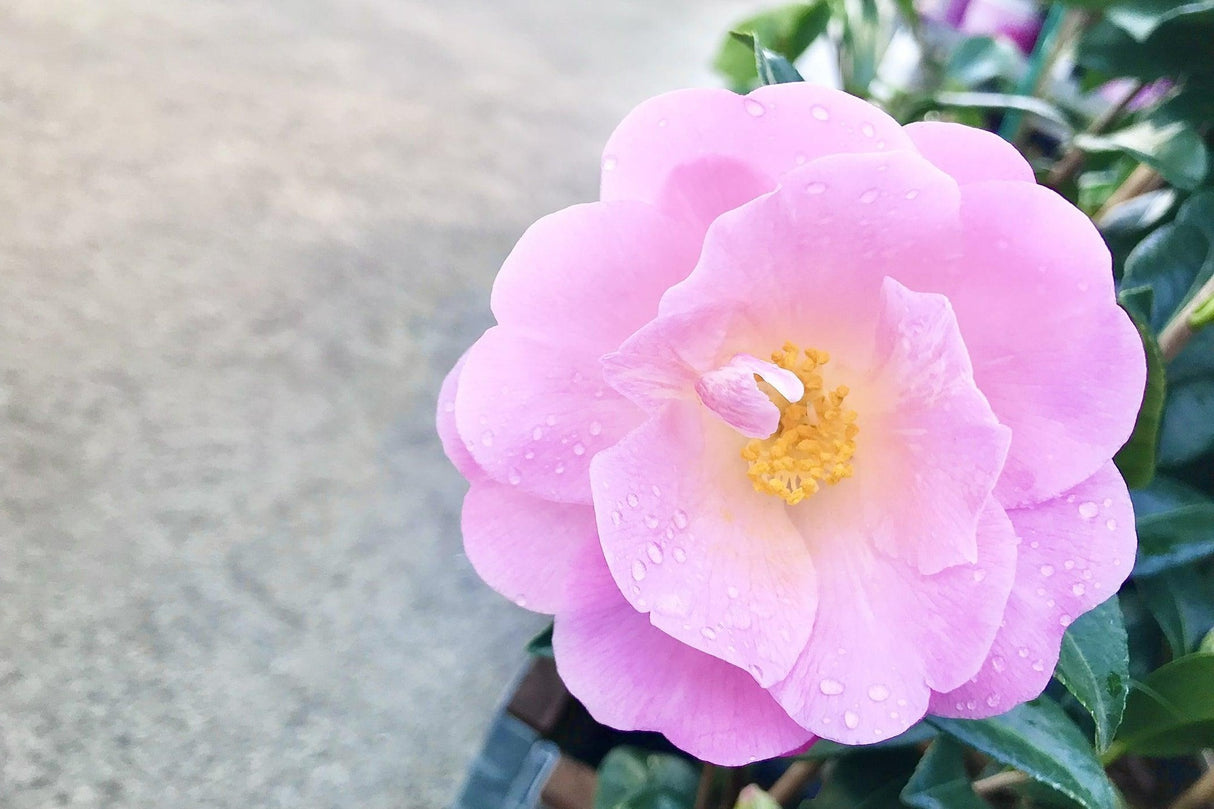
{"x": 816, "y": 438}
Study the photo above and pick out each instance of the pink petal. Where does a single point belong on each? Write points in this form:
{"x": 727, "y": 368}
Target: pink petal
{"x": 886, "y": 634}
{"x": 632, "y": 676}
{"x": 453, "y": 445}
{"x": 1075, "y": 552}
{"x": 591, "y": 275}
{"x": 535, "y": 413}
{"x": 716, "y": 564}
{"x": 732, "y": 392}
{"x": 807, "y": 261}
{"x": 1060, "y": 362}
{"x": 699, "y": 153}
{"x": 967, "y": 154}
{"x": 523, "y": 546}
{"x": 931, "y": 450}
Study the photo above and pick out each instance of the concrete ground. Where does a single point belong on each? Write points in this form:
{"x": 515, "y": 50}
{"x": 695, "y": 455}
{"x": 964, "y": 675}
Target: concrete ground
{"x": 240, "y": 243}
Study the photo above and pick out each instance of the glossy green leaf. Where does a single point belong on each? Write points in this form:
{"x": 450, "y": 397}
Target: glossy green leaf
{"x": 1171, "y": 539}
{"x": 1039, "y": 739}
{"x": 771, "y": 66}
{"x": 867, "y": 780}
{"x": 1137, "y": 458}
{"x": 1187, "y": 429}
{"x": 977, "y": 60}
{"x": 1142, "y": 18}
{"x": 1004, "y": 101}
{"x": 1207, "y": 643}
{"x": 1203, "y": 315}
{"x": 786, "y": 31}
{"x": 940, "y": 781}
{"x": 1170, "y": 261}
{"x": 1171, "y": 713}
{"x": 1095, "y": 666}
{"x": 541, "y": 644}
{"x": 1182, "y": 601}
{"x": 1129, "y": 222}
{"x": 631, "y": 778}
{"x": 1172, "y": 148}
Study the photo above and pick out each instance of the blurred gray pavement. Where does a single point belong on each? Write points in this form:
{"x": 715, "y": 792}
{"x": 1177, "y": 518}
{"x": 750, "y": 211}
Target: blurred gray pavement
{"x": 240, "y": 244}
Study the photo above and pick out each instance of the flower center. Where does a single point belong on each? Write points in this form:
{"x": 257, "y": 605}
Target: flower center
{"x": 816, "y": 438}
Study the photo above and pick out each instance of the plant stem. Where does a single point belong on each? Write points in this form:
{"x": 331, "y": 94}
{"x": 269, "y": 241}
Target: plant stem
{"x": 998, "y": 781}
{"x": 1072, "y": 160}
{"x": 1044, "y": 53}
{"x": 1141, "y": 180}
{"x": 1177, "y": 331}
{"x": 794, "y": 779}
{"x": 704, "y": 791}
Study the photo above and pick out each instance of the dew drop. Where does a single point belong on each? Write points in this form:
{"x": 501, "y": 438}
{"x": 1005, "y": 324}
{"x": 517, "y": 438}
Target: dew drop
{"x": 680, "y": 519}
{"x": 878, "y": 693}
{"x": 515, "y": 477}
{"x": 528, "y": 455}
{"x": 992, "y": 701}
{"x": 1065, "y": 620}
{"x": 754, "y": 108}
{"x": 830, "y": 687}
{"x": 971, "y": 705}
{"x": 851, "y": 719}
{"x": 820, "y": 112}
{"x": 756, "y": 671}
{"x": 867, "y": 130}
{"x": 633, "y": 500}
{"x": 1034, "y": 544}
{"x": 1047, "y": 570}
{"x": 732, "y": 591}
{"x": 1023, "y": 651}
{"x": 521, "y": 601}
{"x": 550, "y": 421}
{"x": 656, "y": 491}
{"x": 662, "y": 123}
{"x": 914, "y": 192}
{"x": 1069, "y": 564}
{"x": 709, "y": 633}
{"x": 670, "y": 533}
{"x": 979, "y": 575}
{"x": 609, "y": 163}
{"x": 651, "y": 521}
{"x": 869, "y": 196}
{"x": 578, "y": 449}
{"x": 559, "y": 469}
{"x": 1111, "y": 524}
{"x": 487, "y": 438}
{"x": 1038, "y": 666}
{"x": 1088, "y": 510}
{"x": 1077, "y": 589}
{"x": 998, "y": 663}
{"x": 595, "y": 428}
{"x": 654, "y": 552}
{"x": 680, "y": 555}
{"x": 638, "y": 570}
{"x": 615, "y": 517}
{"x": 537, "y": 433}
{"x": 1087, "y": 575}
{"x": 815, "y": 188}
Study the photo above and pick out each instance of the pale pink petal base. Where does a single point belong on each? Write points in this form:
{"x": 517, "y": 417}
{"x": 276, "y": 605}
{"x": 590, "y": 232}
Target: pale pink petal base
{"x": 523, "y": 546}
{"x": 631, "y": 675}
{"x": 1075, "y": 552}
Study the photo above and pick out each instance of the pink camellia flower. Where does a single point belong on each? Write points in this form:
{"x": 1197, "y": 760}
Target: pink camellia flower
{"x": 805, "y": 429}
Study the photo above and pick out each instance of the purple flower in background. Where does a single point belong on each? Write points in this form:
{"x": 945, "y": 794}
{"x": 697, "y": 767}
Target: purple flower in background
{"x": 1016, "y": 20}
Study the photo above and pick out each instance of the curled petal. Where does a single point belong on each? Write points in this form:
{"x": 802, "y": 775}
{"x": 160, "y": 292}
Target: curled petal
{"x": 454, "y": 446}
{"x": 967, "y": 154}
{"x": 732, "y": 392}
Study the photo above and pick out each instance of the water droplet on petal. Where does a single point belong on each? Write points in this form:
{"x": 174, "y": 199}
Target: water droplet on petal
{"x": 515, "y": 477}
{"x": 820, "y": 112}
{"x": 638, "y": 570}
{"x": 1111, "y": 524}
{"x": 867, "y": 130}
{"x": 1038, "y": 666}
{"x": 578, "y": 449}
{"x": 680, "y": 555}
{"x": 830, "y": 687}
{"x": 998, "y": 663}
{"x": 633, "y": 500}
{"x": 651, "y": 521}
{"x": 537, "y": 434}
{"x": 521, "y": 601}
{"x": 595, "y": 428}
{"x": 680, "y": 519}
{"x": 992, "y": 701}
{"x": 815, "y": 188}
{"x": 914, "y": 192}
{"x": 1077, "y": 589}
{"x": 487, "y": 438}
{"x": 1023, "y": 651}
{"x": 609, "y": 163}
{"x": 979, "y": 575}
{"x": 550, "y": 421}
{"x": 732, "y": 591}
{"x": 1065, "y": 620}
{"x": 662, "y": 123}
{"x": 528, "y": 455}
{"x": 1047, "y": 570}
{"x": 869, "y": 195}
{"x": 656, "y": 491}
{"x": 878, "y": 693}
{"x": 851, "y": 719}
{"x": 709, "y": 633}
{"x": 615, "y": 517}
{"x": 559, "y": 469}
{"x": 654, "y": 552}
{"x": 754, "y": 108}
{"x": 1088, "y": 510}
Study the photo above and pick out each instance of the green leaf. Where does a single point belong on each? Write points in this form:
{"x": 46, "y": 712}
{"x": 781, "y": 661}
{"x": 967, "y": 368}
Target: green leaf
{"x": 1095, "y": 666}
{"x": 1129, "y": 222}
{"x": 1136, "y": 459}
{"x": 867, "y": 780}
{"x": 1004, "y": 101}
{"x": 1207, "y": 643}
{"x": 631, "y": 778}
{"x": 771, "y": 66}
{"x": 1172, "y": 712}
{"x": 1172, "y": 148}
{"x": 1142, "y": 18}
{"x": 977, "y": 60}
{"x": 786, "y": 31}
{"x": 541, "y": 644}
{"x": 1203, "y": 315}
{"x": 1039, "y": 739}
{"x": 1174, "y": 538}
{"x": 1182, "y": 601}
{"x": 1169, "y": 261}
{"x": 940, "y": 781}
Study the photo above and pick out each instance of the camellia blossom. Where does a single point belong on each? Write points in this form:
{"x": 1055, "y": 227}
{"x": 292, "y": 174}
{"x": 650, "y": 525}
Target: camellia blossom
{"x": 805, "y": 429}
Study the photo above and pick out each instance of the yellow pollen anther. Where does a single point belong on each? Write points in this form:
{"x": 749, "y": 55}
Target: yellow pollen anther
{"x": 816, "y": 439}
